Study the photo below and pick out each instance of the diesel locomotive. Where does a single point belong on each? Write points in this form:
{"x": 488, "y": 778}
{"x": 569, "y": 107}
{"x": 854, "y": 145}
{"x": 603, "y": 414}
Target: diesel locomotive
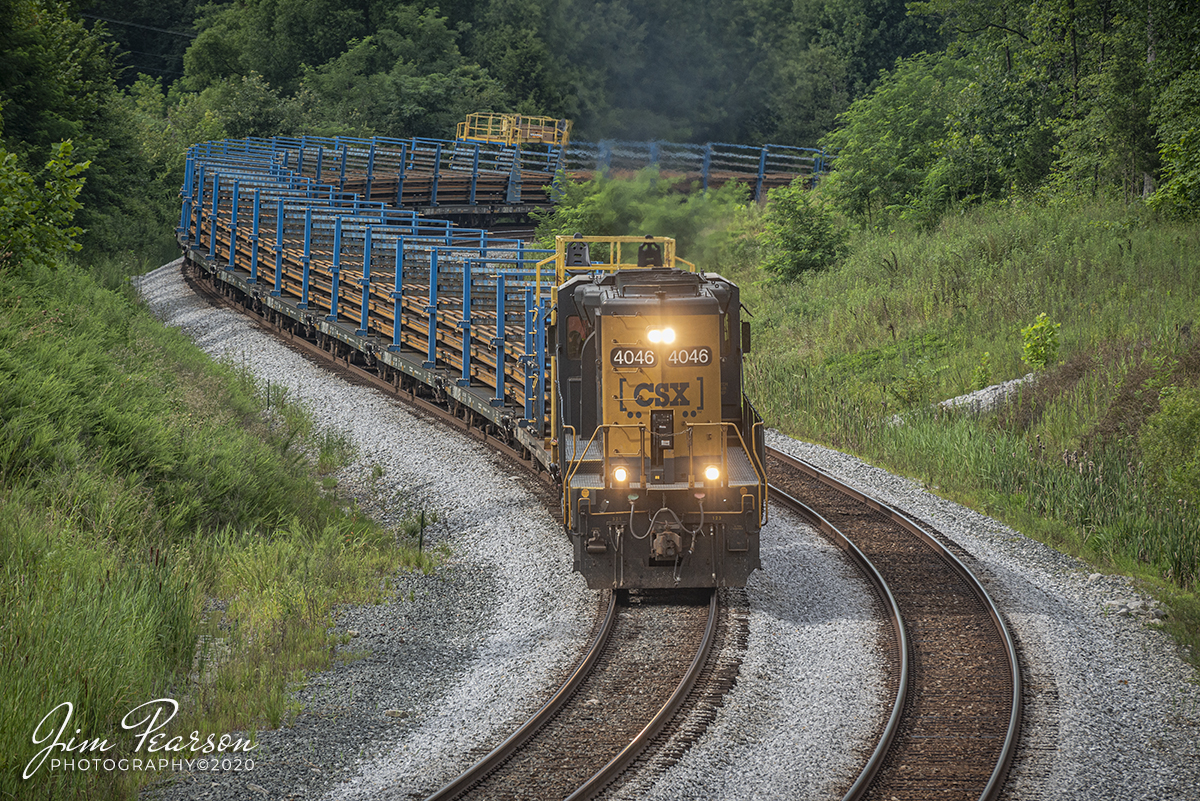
{"x": 608, "y": 363}
{"x": 660, "y": 453}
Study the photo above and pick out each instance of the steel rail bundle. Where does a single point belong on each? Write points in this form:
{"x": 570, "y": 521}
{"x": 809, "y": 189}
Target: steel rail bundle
{"x": 464, "y": 174}
{"x": 456, "y": 310}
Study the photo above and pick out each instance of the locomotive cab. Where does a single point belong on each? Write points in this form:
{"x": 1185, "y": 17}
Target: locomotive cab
{"x": 661, "y": 456}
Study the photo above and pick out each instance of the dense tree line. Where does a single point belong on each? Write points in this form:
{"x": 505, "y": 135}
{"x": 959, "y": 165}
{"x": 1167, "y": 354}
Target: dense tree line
{"x": 1079, "y": 96}
{"x": 928, "y": 105}
{"x": 741, "y": 71}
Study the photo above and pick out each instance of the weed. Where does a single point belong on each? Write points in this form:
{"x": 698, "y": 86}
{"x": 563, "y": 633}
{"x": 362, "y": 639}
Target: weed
{"x": 912, "y": 317}
{"x": 141, "y": 485}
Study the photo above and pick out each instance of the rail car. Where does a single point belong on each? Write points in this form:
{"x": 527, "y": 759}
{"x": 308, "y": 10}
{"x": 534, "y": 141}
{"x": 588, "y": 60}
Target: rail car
{"x": 609, "y": 362}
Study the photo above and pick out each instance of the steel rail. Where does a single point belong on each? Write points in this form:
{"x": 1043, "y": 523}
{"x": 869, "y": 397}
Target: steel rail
{"x": 858, "y": 789}
{"x": 417, "y": 403}
{"x": 506, "y": 749}
{"x": 996, "y": 781}
{"x": 621, "y": 762}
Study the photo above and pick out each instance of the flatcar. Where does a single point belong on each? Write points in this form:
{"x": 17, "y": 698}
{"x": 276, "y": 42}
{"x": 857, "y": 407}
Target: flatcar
{"x": 609, "y": 363}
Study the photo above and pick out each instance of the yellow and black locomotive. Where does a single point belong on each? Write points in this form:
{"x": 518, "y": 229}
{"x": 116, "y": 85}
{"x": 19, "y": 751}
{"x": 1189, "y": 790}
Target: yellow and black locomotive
{"x": 661, "y": 455}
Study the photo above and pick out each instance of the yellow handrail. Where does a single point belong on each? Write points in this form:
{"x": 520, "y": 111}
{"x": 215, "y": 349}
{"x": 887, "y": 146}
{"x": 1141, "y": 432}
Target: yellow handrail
{"x": 577, "y": 459}
{"x": 759, "y": 470}
{"x": 514, "y": 129}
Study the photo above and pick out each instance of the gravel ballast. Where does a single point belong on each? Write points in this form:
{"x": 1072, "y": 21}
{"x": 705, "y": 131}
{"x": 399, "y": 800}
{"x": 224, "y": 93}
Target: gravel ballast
{"x": 1113, "y": 714}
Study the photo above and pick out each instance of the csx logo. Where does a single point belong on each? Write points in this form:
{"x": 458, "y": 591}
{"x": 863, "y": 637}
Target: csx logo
{"x": 672, "y": 394}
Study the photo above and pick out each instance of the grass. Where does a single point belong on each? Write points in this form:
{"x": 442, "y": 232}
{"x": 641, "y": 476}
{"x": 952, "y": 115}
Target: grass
{"x": 911, "y": 318}
{"x": 164, "y": 532}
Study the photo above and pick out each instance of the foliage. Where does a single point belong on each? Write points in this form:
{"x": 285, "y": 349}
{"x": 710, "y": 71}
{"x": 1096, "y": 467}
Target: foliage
{"x": 168, "y": 123}
{"x": 141, "y": 484}
{"x": 151, "y": 35}
{"x": 889, "y": 139}
{"x": 907, "y": 318}
{"x": 800, "y": 232}
{"x": 1170, "y": 446}
{"x": 273, "y": 38}
{"x": 36, "y": 225}
{"x": 407, "y": 79}
{"x": 247, "y": 107}
{"x": 710, "y": 70}
{"x": 646, "y": 205}
{"x": 1040, "y": 340}
{"x": 1179, "y": 195}
{"x": 1097, "y": 70}
{"x": 57, "y": 82}
{"x": 982, "y": 377}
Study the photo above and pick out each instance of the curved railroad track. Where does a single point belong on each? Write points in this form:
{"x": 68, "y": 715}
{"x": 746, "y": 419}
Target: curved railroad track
{"x": 643, "y": 664}
{"x": 955, "y": 677}
{"x": 627, "y": 663}
{"x": 957, "y": 710}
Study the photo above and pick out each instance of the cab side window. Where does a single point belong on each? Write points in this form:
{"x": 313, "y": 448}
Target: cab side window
{"x": 577, "y": 332}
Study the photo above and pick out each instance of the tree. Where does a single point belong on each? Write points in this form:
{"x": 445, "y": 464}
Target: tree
{"x": 1096, "y": 67}
{"x": 408, "y": 79}
{"x": 151, "y": 35}
{"x": 59, "y": 84}
{"x": 274, "y": 38}
{"x": 890, "y": 139}
{"x": 36, "y": 225}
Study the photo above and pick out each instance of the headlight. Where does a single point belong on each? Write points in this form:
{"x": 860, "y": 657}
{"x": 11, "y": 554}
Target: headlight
{"x": 620, "y": 475}
{"x": 662, "y": 335}
{"x": 712, "y": 473}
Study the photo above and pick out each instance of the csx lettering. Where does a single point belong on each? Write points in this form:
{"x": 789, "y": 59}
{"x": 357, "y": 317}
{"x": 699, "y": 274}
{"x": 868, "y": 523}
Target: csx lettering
{"x": 660, "y": 394}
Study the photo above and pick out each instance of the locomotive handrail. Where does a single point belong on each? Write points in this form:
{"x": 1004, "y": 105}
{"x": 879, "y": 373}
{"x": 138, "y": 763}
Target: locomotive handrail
{"x": 759, "y": 471}
{"x": 578, "y": 458}
{"x": 614, "y": 263}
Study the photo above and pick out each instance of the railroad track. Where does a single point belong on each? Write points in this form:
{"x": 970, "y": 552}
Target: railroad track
{"x": 643, "y": 664}
{"x": 957, "y": 706}
{"x": 956, "y": 681}
{"x": 605, "y": 716}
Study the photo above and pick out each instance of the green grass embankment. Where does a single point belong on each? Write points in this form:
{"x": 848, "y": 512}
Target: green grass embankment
{"x": 163, "y": 533}
{"x": 912, "y": 318}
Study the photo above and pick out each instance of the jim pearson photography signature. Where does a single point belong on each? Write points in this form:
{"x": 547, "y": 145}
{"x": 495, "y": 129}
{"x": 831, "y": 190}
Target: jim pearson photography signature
{"x": 150, "y": 739}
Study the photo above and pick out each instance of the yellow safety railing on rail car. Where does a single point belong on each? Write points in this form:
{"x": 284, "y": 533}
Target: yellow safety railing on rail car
{"x": 514, "y": 129}
{"x": 614, "y": 255}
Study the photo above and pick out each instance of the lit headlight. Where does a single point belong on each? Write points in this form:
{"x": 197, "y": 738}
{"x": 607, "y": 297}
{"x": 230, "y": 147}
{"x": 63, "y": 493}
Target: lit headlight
{"x": 664, "y": 335}
{"x": 712, "y": 473}
{"x": 620, "y": 475}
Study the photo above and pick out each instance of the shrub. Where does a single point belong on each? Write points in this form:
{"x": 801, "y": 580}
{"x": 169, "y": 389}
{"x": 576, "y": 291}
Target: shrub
{"x": 1170, "y": 445}
{"x": 801, "y": 232}
{"x": 982, "y": 377}
{"x": 1179, "y": 195}
{"x": 1041, "y": 342}
{"x": 36, "y": 225}
{"x": 647, "y": 204}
